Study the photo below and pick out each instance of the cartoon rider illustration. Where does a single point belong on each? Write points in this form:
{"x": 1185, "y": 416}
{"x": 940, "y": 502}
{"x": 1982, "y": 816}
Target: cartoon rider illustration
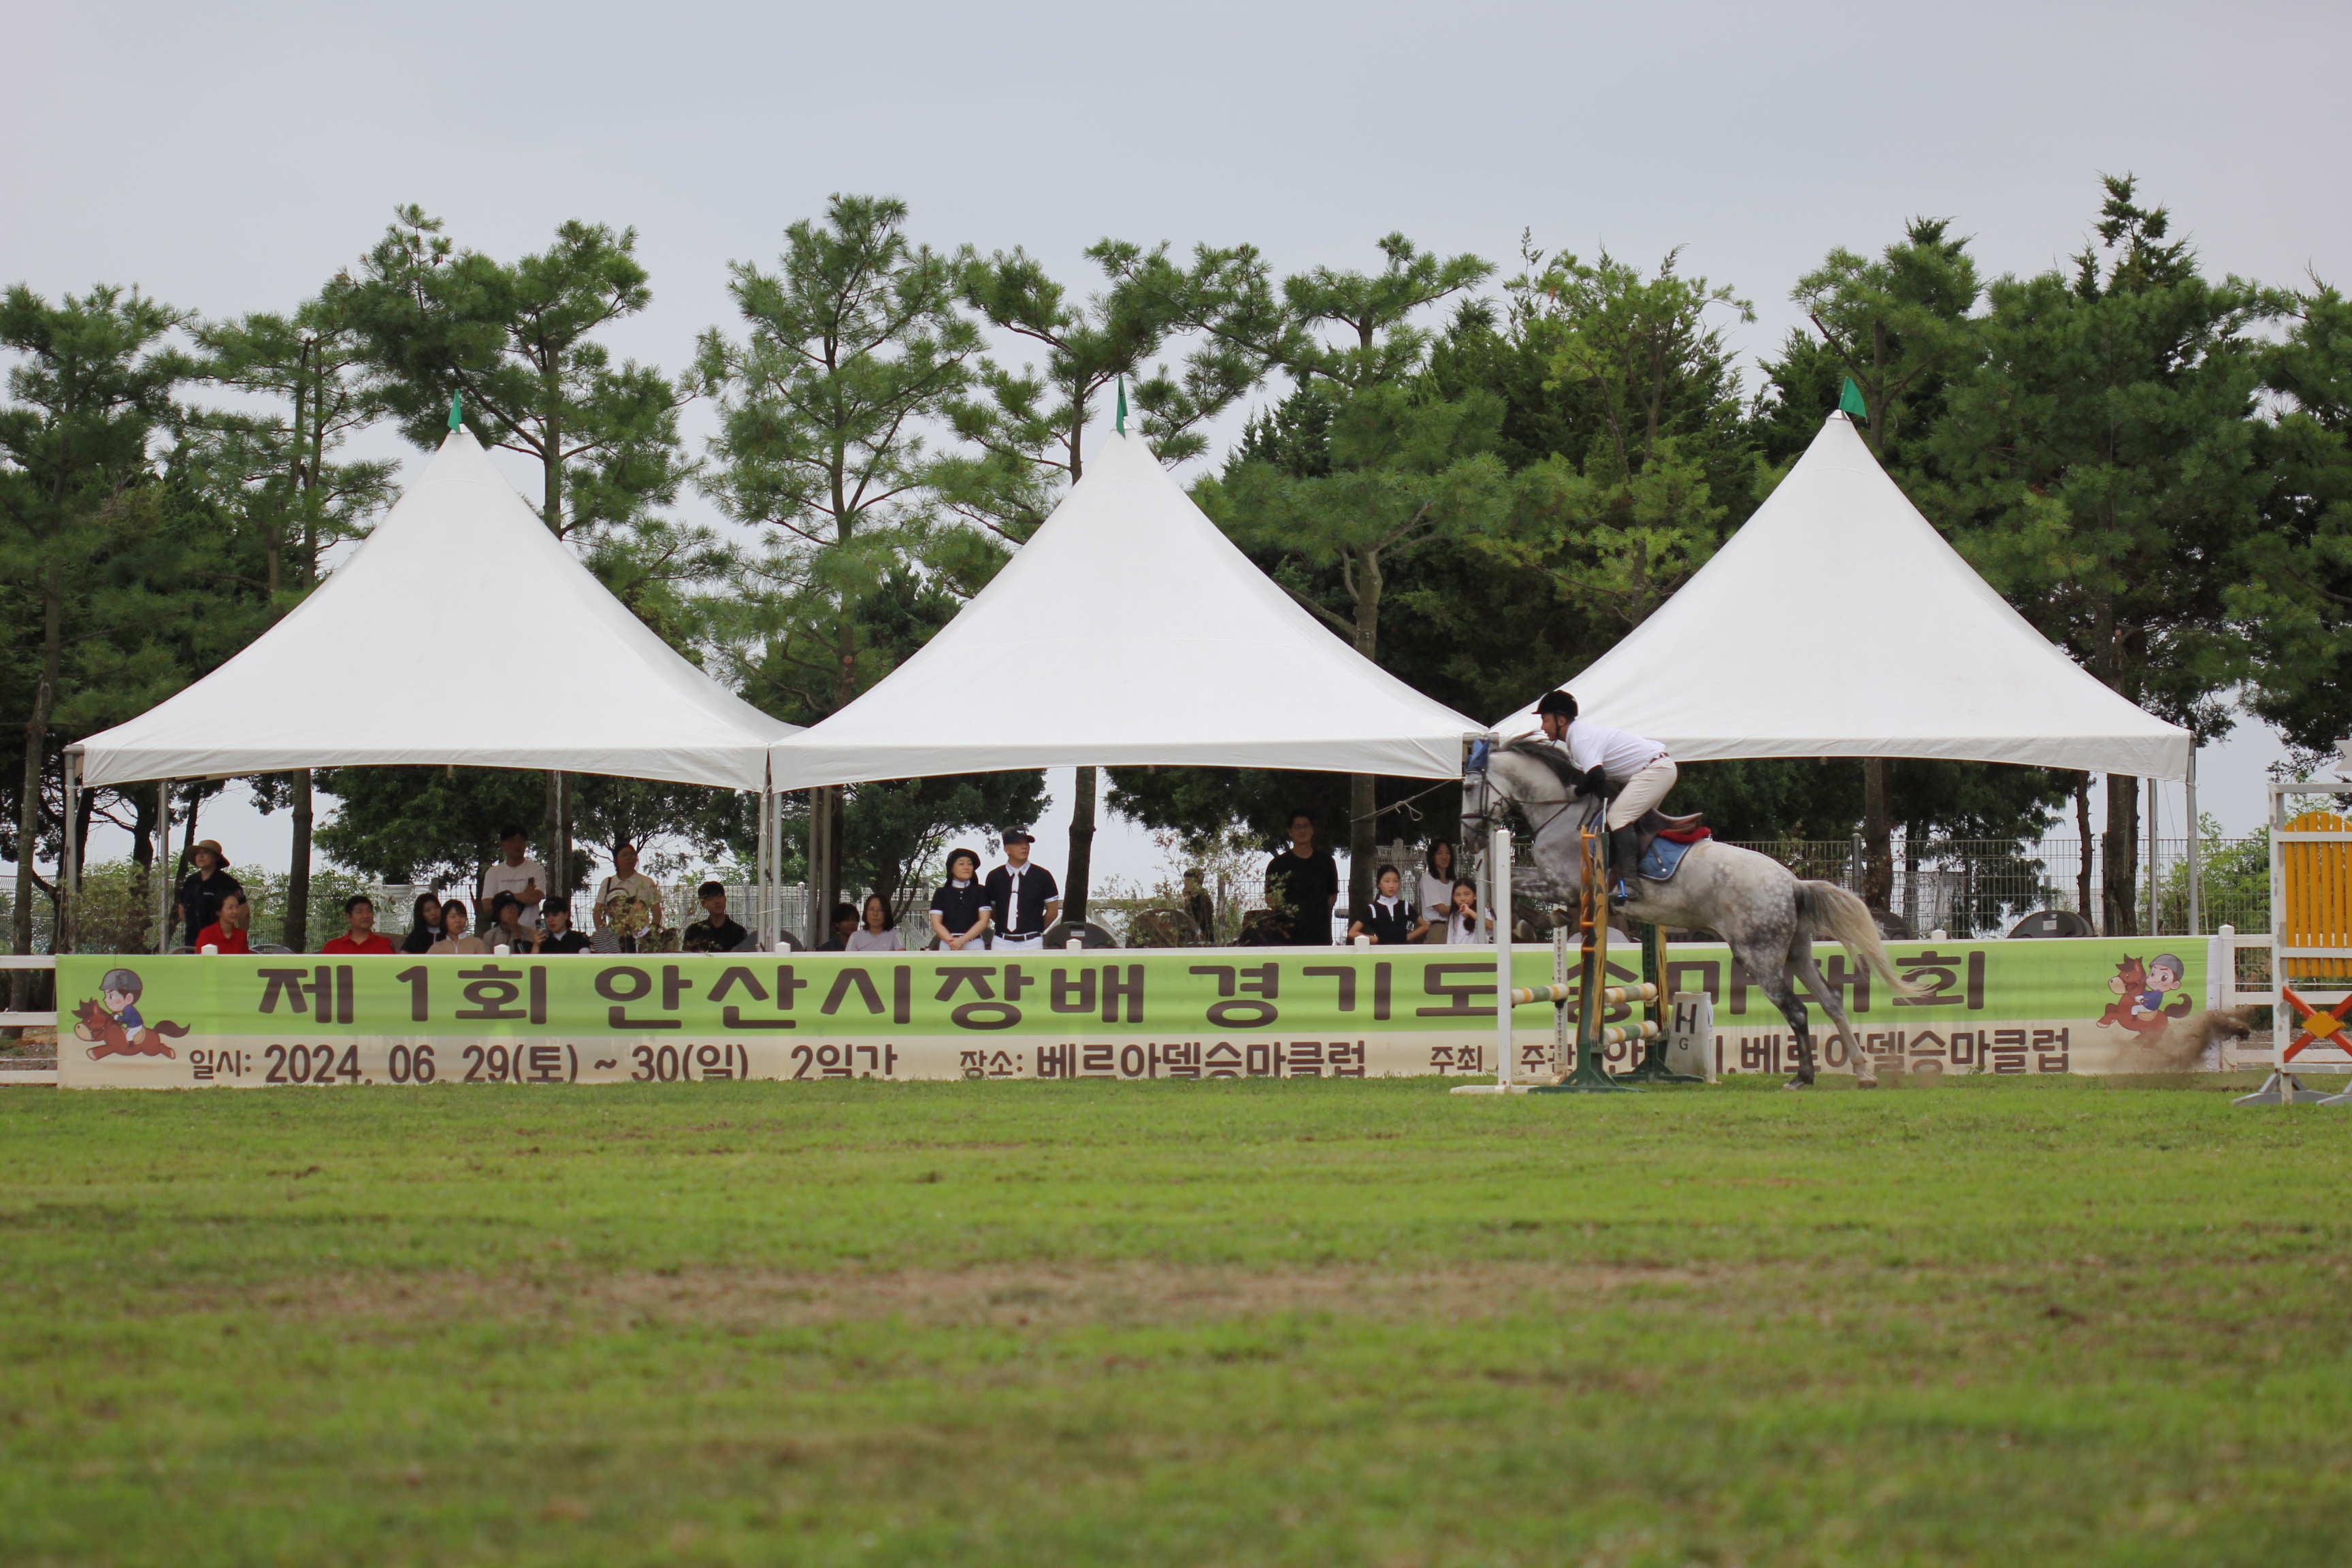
{"x": 114, "y": 1025}
{"x": 2164, "y": 973}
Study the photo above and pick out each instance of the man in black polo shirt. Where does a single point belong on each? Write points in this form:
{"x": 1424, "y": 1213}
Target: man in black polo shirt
{"x": 1302, "y": 883}
{"x": 1023, "y": 897}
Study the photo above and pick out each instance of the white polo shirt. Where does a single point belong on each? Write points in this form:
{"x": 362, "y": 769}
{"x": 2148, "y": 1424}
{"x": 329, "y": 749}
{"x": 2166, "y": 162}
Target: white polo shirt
{"x": 1621, "y": 753}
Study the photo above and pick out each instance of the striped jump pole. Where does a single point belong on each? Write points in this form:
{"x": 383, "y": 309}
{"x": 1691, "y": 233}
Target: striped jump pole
{"x": 1591, "y": 1075}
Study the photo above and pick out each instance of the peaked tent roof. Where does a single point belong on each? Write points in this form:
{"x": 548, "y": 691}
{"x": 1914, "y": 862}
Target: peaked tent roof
{"x": 1838, "y": 623}
{"x": 1128, "y": 630}
{"x": 464, "y": 567}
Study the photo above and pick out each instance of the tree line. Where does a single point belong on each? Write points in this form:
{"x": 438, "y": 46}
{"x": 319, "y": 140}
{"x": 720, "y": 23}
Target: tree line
{"x": 1480, "y": 481}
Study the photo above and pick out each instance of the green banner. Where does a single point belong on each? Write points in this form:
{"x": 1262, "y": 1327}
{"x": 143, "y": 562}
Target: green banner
{"x": 1192, "y": 1011}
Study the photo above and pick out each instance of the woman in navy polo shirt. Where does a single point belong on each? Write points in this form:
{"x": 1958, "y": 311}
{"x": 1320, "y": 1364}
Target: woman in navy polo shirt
{"x": 959, "y": 908}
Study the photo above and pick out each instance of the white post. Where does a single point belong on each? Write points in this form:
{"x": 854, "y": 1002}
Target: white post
{"x": 2221, "y": 967}
{"x": 1498, "y": 859}
{"x": 2196, "y": 854}
{"x": 2151, "y": 858}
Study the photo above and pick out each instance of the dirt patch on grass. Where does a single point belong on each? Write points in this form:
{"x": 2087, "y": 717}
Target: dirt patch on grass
{"x": 1021, "y": 1296}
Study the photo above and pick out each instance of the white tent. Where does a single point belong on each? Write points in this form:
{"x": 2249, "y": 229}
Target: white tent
{"x": 1128, "y": 630}
{"x": 1838, "y": 623}
{"x": 460, "y": 632}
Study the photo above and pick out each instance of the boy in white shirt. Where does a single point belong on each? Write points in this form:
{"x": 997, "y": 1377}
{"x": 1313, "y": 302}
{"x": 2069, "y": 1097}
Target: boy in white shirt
{"x": 1634, "y": 773}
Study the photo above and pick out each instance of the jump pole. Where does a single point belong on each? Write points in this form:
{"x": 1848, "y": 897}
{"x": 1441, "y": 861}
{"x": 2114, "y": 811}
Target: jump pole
{"x": 1591, "y": 1075}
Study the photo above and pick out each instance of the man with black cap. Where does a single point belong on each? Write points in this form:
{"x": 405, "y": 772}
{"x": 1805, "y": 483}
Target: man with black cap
{"x": 1633, "y": 773}
{"x": 1024, "y": 896}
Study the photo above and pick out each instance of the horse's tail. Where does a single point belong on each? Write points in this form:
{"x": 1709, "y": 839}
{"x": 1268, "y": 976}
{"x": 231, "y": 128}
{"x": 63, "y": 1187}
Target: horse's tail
{"x": 1827, "y": 910}
{"x": 172, "y": 1031}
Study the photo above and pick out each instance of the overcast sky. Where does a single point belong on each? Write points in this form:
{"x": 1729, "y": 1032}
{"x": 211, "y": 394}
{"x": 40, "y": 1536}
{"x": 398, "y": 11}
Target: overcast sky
{"x": 229, "y": 158}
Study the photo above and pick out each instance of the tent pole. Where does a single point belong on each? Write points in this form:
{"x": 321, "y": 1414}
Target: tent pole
{"x": 69, "y": 860}
{"x": 2196, "y": 859}
{"x": 776, "y": 838}
{"x": 163, "y": 866}
{"x": 768, "y": 895}
{"x": 2151, "y": 856}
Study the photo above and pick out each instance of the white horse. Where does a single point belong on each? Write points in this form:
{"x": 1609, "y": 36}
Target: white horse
{"x": 1767, "y": 915}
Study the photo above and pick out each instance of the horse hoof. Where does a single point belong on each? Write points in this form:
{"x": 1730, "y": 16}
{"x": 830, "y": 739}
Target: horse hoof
{"x": 1866, "y": 1083}
{"x": 1798, "y": 1083}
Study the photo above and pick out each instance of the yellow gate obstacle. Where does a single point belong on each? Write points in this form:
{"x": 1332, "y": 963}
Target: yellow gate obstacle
{"x": 1589, "y": 994}
{"x": 2311, "y": 939}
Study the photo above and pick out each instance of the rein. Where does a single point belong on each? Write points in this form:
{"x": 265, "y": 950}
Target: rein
{"x": 1593, "y": 805}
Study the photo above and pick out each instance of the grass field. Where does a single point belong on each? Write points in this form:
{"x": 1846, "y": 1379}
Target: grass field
{"x": 2011, "y": 1321}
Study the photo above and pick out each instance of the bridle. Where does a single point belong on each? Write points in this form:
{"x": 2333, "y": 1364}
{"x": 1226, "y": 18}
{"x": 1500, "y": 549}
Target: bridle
{"x": 1479, "y": 795}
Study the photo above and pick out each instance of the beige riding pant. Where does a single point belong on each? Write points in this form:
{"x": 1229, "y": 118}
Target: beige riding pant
{"x": 1642, "y": 792}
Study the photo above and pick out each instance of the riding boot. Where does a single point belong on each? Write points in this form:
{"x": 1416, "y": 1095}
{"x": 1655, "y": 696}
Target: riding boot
{"x": 1626, "y": 863}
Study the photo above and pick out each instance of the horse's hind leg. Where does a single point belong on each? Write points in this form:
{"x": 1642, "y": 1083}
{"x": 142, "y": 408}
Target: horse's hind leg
{"x": 1801, "y": 960}
{"x": 1766, "y": 962}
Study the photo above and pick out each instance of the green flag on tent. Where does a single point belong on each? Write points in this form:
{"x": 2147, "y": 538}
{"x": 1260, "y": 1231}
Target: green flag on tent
{"x": 457, "y": 418}
{"x": 1122, "y": 405}
{"x": 1849, "y": 402}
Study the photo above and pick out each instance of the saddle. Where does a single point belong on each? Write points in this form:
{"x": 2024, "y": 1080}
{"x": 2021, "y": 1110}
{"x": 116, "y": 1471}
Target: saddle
{"x": 1654, "y": 825}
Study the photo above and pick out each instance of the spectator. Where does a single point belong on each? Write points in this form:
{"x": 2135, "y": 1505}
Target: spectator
{"x": 506, "y": 928}
{"x": 555, "y": 933}
{"x": 845, "y": 926}
{"x": 1302, "y": 884}
{"x": 1436, "y": 886}
{"x": 1021, "y": 898}
{"x": 1199, "y": 905}
{"x": 525, "y": 879}
{"x": 455, "y": 936}
{"x": 201, "y": 894}
{"x": 716, "y": 932}
{"x": 1464, "y": 926}
{"x": 626, "y": 882}
{"x": 1388, "y": 920}
{"x": 359, "y": 913}
{"x": 874, "y": 933}
{"x": 226, "y": 933}
{"x": 424, "y": 925}
{"x": 959, "y": 908}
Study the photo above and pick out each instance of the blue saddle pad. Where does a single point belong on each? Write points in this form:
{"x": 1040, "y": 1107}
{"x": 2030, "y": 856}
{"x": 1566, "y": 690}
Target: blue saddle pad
{"x": 1664, "y": 858}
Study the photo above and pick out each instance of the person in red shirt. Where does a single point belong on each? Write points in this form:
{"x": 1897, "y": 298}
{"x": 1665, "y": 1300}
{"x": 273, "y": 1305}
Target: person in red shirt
{"x": 359, "y": 910}
{"x": 226, "y": 935}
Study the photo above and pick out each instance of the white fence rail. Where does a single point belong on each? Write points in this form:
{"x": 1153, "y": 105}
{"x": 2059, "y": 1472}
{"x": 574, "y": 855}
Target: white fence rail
{"x": 26, "y": 1020}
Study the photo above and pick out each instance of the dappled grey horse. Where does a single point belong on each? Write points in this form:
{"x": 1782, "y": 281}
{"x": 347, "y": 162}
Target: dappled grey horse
{"x": 1758, "y": 905}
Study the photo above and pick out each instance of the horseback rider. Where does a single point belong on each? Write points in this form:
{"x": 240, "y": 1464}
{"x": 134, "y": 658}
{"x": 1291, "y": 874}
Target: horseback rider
{"x": 1633, "y": 774}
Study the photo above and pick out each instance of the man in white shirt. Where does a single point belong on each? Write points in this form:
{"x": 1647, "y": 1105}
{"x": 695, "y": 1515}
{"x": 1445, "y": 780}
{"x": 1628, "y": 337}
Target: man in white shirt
{"x": 524, "y": 878}
{"x": 1024, "y": 896}
{"x": 1634, "y": 773}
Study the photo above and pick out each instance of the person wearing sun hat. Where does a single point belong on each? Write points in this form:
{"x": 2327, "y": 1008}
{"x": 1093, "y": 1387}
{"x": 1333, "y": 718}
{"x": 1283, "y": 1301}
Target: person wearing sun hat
{"x": 207, "y": 885}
